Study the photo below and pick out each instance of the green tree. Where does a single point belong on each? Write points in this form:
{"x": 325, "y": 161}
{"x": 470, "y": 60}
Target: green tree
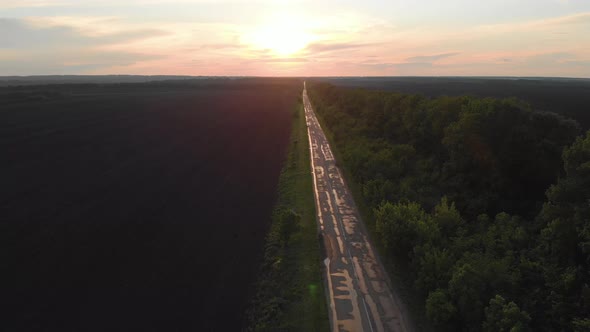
{"x": 399, "y": 225}
{"x": 434, "y": 268}
{"x": 439, "y": 308}
{"x": 466, "y": 288}
{"x": 447, "y": 217}
{"x": 567, "y": 212}
{"x": 504, "y": 317}
{"x": 581, "y": 324}
{"x": 505, "y": 236}
{"x": 288, "y": 222}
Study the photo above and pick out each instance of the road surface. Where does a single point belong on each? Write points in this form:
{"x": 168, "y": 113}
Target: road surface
{"x": 359, "y": 296}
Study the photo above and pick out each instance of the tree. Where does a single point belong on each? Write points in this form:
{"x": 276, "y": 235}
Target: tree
{"x": 434, "y": 268}
{"x": 564, "y": 246}
{"x": 439, "y": 308}
{"x": 567, "y": 211}
{"x": 581, "y": 324}
{"x": 466, "y": 288}
{"x": 399, "y": 225}
{"x": 505, "y": 236}
{"x": 447, "y": 218}
{"x": 504, "y": 317}
{"x": 288, "y": 222}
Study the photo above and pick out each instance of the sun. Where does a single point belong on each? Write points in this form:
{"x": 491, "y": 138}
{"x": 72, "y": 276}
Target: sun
{"x": 283, "y": 35}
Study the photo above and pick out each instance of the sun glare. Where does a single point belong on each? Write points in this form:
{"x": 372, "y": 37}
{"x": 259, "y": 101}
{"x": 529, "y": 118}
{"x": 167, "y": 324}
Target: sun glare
{"x": 282, "y": 35}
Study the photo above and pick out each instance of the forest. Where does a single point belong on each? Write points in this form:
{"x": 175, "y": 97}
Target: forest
{"x": 553, "y": 94}
{"x": 483, "y": 202}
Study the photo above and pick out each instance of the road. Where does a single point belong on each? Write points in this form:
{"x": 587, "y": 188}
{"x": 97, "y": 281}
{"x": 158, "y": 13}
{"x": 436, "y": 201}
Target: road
{"x": 359, "y": 295}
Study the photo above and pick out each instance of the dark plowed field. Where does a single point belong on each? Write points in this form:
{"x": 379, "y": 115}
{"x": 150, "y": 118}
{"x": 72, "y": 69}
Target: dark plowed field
{"x": 137, "y": 207}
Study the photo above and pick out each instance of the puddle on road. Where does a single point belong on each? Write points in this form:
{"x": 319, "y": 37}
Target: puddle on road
{"x": 353, "y": 320}
{"x": 349, "y": 224}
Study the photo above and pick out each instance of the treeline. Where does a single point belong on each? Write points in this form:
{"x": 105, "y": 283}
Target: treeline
{"x": 559, "y": 95}
{"x": 485, "y": 202}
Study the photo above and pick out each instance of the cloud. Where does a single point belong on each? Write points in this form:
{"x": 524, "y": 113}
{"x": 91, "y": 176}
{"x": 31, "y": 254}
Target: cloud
{"x": 30, "y": 3}
{"x": 75, "y": 62}
{"x": 220, "y": 46}
{"x": 536, "y": 25}
{"x": 33, "y": 49}
{"x": 16, "y": 34}
{"x": 284, "y": 60}
{"x": 331, "y": 47}
{"x": 430, "y": 58}
{"x": 555, "y": 60}
{"x": 59, "y": 3}
{"x": 22, "y": 34}
{"x": 412, "y": 65}
{"x": 569, "y": 19}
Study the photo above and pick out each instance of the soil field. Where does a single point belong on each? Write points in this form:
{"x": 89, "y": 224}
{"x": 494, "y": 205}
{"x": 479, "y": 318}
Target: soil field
{"x": 137, "y": 206}
{"x": 567, "y": 96}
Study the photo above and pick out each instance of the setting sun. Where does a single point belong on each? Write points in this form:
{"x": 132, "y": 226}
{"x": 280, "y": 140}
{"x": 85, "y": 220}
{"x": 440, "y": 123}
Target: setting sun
{"x": 282, "y": 35}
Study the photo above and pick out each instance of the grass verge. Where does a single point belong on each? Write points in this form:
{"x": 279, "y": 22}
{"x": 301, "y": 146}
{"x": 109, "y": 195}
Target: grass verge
{"x": 290, "y": 294}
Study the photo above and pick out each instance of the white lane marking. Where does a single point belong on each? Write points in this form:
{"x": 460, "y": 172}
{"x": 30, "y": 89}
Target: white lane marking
{"x": 367, "y": 311}
{"x": 332, "y": 304}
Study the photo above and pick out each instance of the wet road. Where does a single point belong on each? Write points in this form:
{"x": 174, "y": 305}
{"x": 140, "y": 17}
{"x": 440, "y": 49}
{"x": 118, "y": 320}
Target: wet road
{"x": 359, "y": 296}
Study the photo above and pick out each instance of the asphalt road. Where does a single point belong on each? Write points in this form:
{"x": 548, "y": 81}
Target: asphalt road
{"x": 360, "y": 297}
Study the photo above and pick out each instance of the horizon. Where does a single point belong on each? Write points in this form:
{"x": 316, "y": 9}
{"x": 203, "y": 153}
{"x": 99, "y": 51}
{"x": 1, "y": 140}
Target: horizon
{"x": 290, "y": 38}
{"x": 298, "y": 77}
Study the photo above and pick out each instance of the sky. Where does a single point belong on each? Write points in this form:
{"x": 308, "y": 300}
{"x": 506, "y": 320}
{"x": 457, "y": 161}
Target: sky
{"x": 296, "y": 37}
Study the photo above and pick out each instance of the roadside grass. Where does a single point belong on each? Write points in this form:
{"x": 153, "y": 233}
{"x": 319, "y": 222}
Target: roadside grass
{"x": 289, "y": 293}
{"x": 401, "y": 281}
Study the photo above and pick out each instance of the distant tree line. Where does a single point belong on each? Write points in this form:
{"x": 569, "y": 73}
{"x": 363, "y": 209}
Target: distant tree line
{"x": 486, "y": 202}
{"x": 559, "y": 95}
